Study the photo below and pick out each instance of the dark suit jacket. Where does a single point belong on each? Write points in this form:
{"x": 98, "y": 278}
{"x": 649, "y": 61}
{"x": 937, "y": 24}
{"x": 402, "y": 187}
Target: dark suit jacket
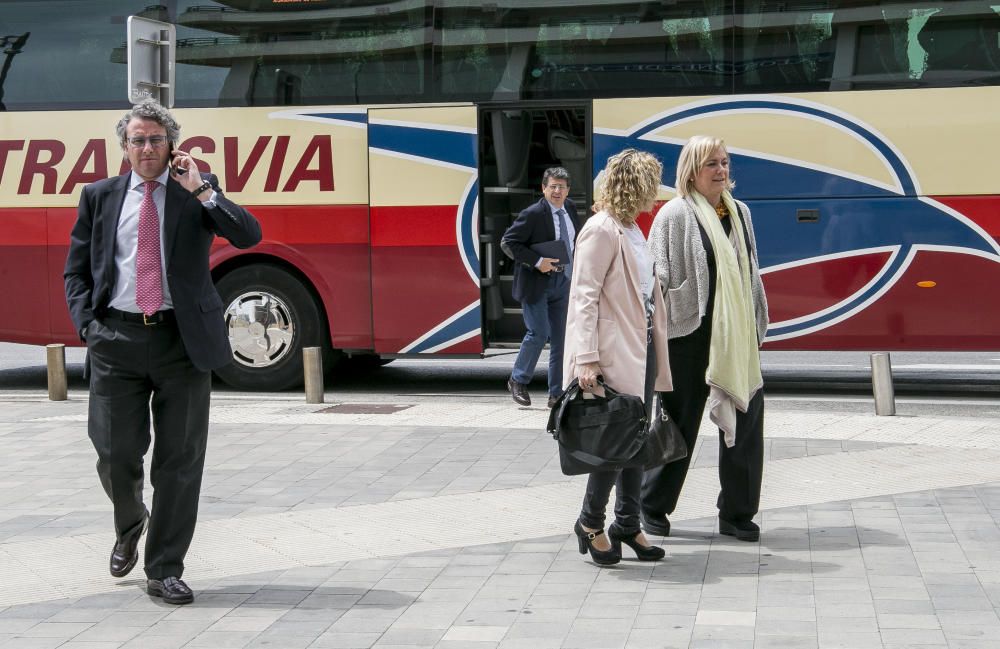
{"x": 533, "y": 225}
{"x": 188, "y": 231}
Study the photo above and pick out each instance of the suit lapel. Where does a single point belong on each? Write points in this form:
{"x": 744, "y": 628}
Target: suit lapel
{"x": 546, "y": 216}
{"x": 116, "y": 198}
{"x": 176, "y": 195}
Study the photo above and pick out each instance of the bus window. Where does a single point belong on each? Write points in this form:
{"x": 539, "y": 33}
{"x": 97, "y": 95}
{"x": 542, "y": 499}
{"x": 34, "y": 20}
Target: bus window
{"x": 547, "y": 50}
{"x": 330, "y": 52}
{"x": 857, "y": 45}
{"x": 64, "y": 63}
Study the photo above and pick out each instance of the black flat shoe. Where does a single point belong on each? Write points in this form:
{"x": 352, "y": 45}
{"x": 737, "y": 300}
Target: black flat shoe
{"x": 125, "y": 552}
{"x": 601, "y": 557}
{"x": 643, "y": 552}
{"x": 742, "y": 530}
{"x": 173, "y": 590}
{"x": 656, "y": 524}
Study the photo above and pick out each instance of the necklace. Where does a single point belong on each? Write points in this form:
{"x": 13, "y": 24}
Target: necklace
{"x": 721, "y": 210}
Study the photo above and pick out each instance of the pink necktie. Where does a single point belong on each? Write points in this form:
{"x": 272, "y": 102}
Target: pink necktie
{"x": 148, "y": 279}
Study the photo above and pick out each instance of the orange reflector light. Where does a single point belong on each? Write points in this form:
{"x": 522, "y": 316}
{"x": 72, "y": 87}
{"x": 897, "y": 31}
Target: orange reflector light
{"x": 927, "y": 284}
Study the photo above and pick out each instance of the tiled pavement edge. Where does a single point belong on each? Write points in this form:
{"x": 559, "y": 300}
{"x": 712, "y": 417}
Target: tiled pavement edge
{"x": 447, "y": 524}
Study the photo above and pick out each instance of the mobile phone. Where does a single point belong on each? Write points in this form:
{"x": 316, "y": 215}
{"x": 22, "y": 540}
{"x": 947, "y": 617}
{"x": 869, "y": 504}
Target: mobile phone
{"x": 173, "y": 167}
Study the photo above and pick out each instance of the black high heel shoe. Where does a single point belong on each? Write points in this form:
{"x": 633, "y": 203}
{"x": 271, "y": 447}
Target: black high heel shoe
{"x": 601, "y": 557}
{"x": 643, "y": 552}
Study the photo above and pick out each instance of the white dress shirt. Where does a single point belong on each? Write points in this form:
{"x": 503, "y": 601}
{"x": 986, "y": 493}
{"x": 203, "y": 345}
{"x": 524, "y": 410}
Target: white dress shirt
{"x": 127, "y": 243}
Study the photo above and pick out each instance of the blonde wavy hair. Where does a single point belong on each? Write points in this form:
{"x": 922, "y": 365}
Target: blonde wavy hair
{"x": 629, "y": 186}
{"x": 693, "y": 157}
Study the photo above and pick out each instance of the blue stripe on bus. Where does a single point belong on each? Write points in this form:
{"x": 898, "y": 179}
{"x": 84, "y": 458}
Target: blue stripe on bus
{"x": 764, "y": 106}
{"x": 360, "y": 118}
{"x": 469, "y": 321}
{"x": 434, "y": 144}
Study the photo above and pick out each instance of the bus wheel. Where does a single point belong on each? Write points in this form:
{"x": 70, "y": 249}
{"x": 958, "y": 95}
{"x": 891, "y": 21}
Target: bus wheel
{"x": 270, "y": 316}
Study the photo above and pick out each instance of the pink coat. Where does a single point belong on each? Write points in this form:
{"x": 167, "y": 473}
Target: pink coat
{"x": 606, "y": 321}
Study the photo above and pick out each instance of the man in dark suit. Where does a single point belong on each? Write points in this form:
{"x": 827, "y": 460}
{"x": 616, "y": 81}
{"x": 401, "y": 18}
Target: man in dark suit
{"x": 141, "y": 296}
{"x": 540, "y": 284}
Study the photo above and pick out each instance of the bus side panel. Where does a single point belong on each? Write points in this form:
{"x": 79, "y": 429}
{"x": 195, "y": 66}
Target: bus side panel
{"x": 60, "y": 224}
{"x": 23, "y": 275}
{"x": 425, "y": 266}
{"x": 328, "y": 244}
{"x": 856, "y": 249}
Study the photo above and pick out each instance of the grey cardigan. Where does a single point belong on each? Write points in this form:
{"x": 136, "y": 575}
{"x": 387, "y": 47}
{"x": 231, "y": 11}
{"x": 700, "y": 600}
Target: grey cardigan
{"x": 682, "y": 267}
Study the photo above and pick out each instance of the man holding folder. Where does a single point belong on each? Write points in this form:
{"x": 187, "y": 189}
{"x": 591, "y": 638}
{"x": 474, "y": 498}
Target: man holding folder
{"x": 541, "y": 241}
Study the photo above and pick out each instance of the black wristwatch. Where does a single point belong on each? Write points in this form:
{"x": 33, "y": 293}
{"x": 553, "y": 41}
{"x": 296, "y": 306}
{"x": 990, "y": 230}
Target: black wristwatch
{"x": 202, "y": 187}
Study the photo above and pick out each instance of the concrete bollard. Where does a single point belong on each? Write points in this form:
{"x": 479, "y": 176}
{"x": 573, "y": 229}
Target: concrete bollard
{"x": 885, "y": 396}
{"x": 55, "y": 360}
{"x": 312, "y": 365}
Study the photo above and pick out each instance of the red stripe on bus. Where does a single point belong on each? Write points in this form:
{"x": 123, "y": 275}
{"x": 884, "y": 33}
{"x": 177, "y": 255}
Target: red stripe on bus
{"x": 414, "y": 225}
{"x": 984, "y": 210}
{"x": 23, "y": 227}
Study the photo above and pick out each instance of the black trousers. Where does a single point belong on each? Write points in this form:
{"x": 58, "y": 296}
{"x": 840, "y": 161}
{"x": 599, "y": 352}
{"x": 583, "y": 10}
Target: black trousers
{"x": 740, "y": 467}
{"x": 136, "y": 369}
{"x": 627, "y": 481}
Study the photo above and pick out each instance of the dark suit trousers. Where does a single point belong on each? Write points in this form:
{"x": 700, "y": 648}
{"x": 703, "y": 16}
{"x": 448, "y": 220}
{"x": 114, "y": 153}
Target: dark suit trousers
{"x": 136, "y": 369}
{"x": 740, "y": 467}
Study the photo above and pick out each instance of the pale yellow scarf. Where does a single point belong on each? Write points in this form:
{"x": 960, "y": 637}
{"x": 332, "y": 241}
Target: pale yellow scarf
{"x": 733, "y": 373}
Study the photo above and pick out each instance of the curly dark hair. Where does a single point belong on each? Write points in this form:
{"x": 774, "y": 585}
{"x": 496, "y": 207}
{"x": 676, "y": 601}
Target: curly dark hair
{"x": 152, "y": 111}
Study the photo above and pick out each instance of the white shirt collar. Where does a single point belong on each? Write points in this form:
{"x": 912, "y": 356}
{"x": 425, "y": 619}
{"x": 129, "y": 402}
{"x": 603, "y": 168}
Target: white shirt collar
{"x": 135, "y": 179}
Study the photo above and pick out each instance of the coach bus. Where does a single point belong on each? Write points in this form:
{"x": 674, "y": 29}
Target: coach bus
{"x": 385, "y": 145}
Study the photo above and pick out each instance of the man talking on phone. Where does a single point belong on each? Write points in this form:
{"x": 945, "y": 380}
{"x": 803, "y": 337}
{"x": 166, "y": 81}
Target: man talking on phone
{"x": 141, "y": 296}
{"x": 541, "y": 282}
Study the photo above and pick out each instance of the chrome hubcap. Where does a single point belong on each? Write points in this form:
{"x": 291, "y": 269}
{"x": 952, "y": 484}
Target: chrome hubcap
{"x": 260, "y": 329}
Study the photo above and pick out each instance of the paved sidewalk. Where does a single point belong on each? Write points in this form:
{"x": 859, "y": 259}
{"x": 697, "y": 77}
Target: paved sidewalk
{"x": 445, "y": 522}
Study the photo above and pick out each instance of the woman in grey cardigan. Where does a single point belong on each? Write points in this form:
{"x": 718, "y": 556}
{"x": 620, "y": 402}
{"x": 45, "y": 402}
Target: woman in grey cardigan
{"x": 706, "y": 260}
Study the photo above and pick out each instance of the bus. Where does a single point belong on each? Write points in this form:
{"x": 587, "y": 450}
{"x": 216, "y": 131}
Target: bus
{"x": 385, "y": 146}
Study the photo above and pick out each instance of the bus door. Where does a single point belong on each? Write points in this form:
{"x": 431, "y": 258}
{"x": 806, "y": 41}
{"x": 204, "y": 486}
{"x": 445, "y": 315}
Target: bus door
{"x": 518, "y": 143}
{"x": 423, "y": 188}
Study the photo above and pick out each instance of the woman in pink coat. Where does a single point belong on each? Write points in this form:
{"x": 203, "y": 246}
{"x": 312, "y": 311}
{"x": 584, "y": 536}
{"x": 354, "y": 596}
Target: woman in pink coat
{"x": 616, "y": 328}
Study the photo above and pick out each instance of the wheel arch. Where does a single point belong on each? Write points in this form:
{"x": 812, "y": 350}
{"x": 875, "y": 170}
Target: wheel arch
{"x": 225, "y": 265}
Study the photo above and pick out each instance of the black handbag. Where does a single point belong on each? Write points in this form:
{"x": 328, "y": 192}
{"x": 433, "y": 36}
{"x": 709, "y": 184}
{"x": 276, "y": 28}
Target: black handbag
{"x": 600, "y": 433}
{"x": 665, "y": 443}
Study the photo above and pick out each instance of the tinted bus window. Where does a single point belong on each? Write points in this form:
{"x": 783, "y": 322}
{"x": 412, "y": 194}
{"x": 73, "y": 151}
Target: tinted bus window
{"x": 807, "y": 45}
{"x": 288, "y": 53}
{"x": 545, "y": 50}
{"x": 61, "y": 53}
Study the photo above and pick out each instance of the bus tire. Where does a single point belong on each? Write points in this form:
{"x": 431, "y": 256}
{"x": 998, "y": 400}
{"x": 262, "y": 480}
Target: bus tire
{"x": 271, "y": 315}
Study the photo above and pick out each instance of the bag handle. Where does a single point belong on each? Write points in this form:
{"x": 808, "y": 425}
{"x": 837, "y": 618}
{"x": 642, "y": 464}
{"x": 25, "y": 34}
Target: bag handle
{"x": 558, "y": 413}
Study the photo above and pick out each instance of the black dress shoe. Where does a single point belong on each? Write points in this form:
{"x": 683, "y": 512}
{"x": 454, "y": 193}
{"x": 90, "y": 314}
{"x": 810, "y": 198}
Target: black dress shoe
{"x": 519, "y": 391}
{"x": 600, "y": 557}
{"x": 656, "y": 524}
{"x": 742, "y": 530}
{"x": 643, "y": 552}
{"x": 552, "y": 401}
{"x": 125, "y": 553}
{"x": 173, "y": 590}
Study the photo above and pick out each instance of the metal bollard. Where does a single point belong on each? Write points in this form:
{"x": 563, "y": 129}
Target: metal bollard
{"x": 55, "y": 359}
{"x": 885, "y": 396}
{"x": 312, "y": 365}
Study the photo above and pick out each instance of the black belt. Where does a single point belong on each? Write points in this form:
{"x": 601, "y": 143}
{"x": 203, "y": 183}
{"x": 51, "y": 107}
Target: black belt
{"x": 160, "y": 317}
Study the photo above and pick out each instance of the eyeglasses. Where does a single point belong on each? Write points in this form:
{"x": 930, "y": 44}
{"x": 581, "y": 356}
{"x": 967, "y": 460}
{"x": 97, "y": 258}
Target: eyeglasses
{"x": 156, "y": 141}
{"x": 558, "y": 188}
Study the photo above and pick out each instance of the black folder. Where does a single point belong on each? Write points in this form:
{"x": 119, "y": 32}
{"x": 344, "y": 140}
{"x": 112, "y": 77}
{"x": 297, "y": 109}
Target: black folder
{"x": 553, "y": 250}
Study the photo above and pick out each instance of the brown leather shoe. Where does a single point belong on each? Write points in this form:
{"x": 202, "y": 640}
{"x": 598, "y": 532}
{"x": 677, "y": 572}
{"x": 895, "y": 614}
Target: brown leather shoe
{"x": 552, "y": 402}
{"x": 125, "y": 553}
{"x": 173, "y": 590}
{"x": 519, "y": 391}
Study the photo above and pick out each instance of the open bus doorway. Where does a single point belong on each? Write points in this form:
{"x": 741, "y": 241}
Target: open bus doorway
{"x": 517, "y": 143}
